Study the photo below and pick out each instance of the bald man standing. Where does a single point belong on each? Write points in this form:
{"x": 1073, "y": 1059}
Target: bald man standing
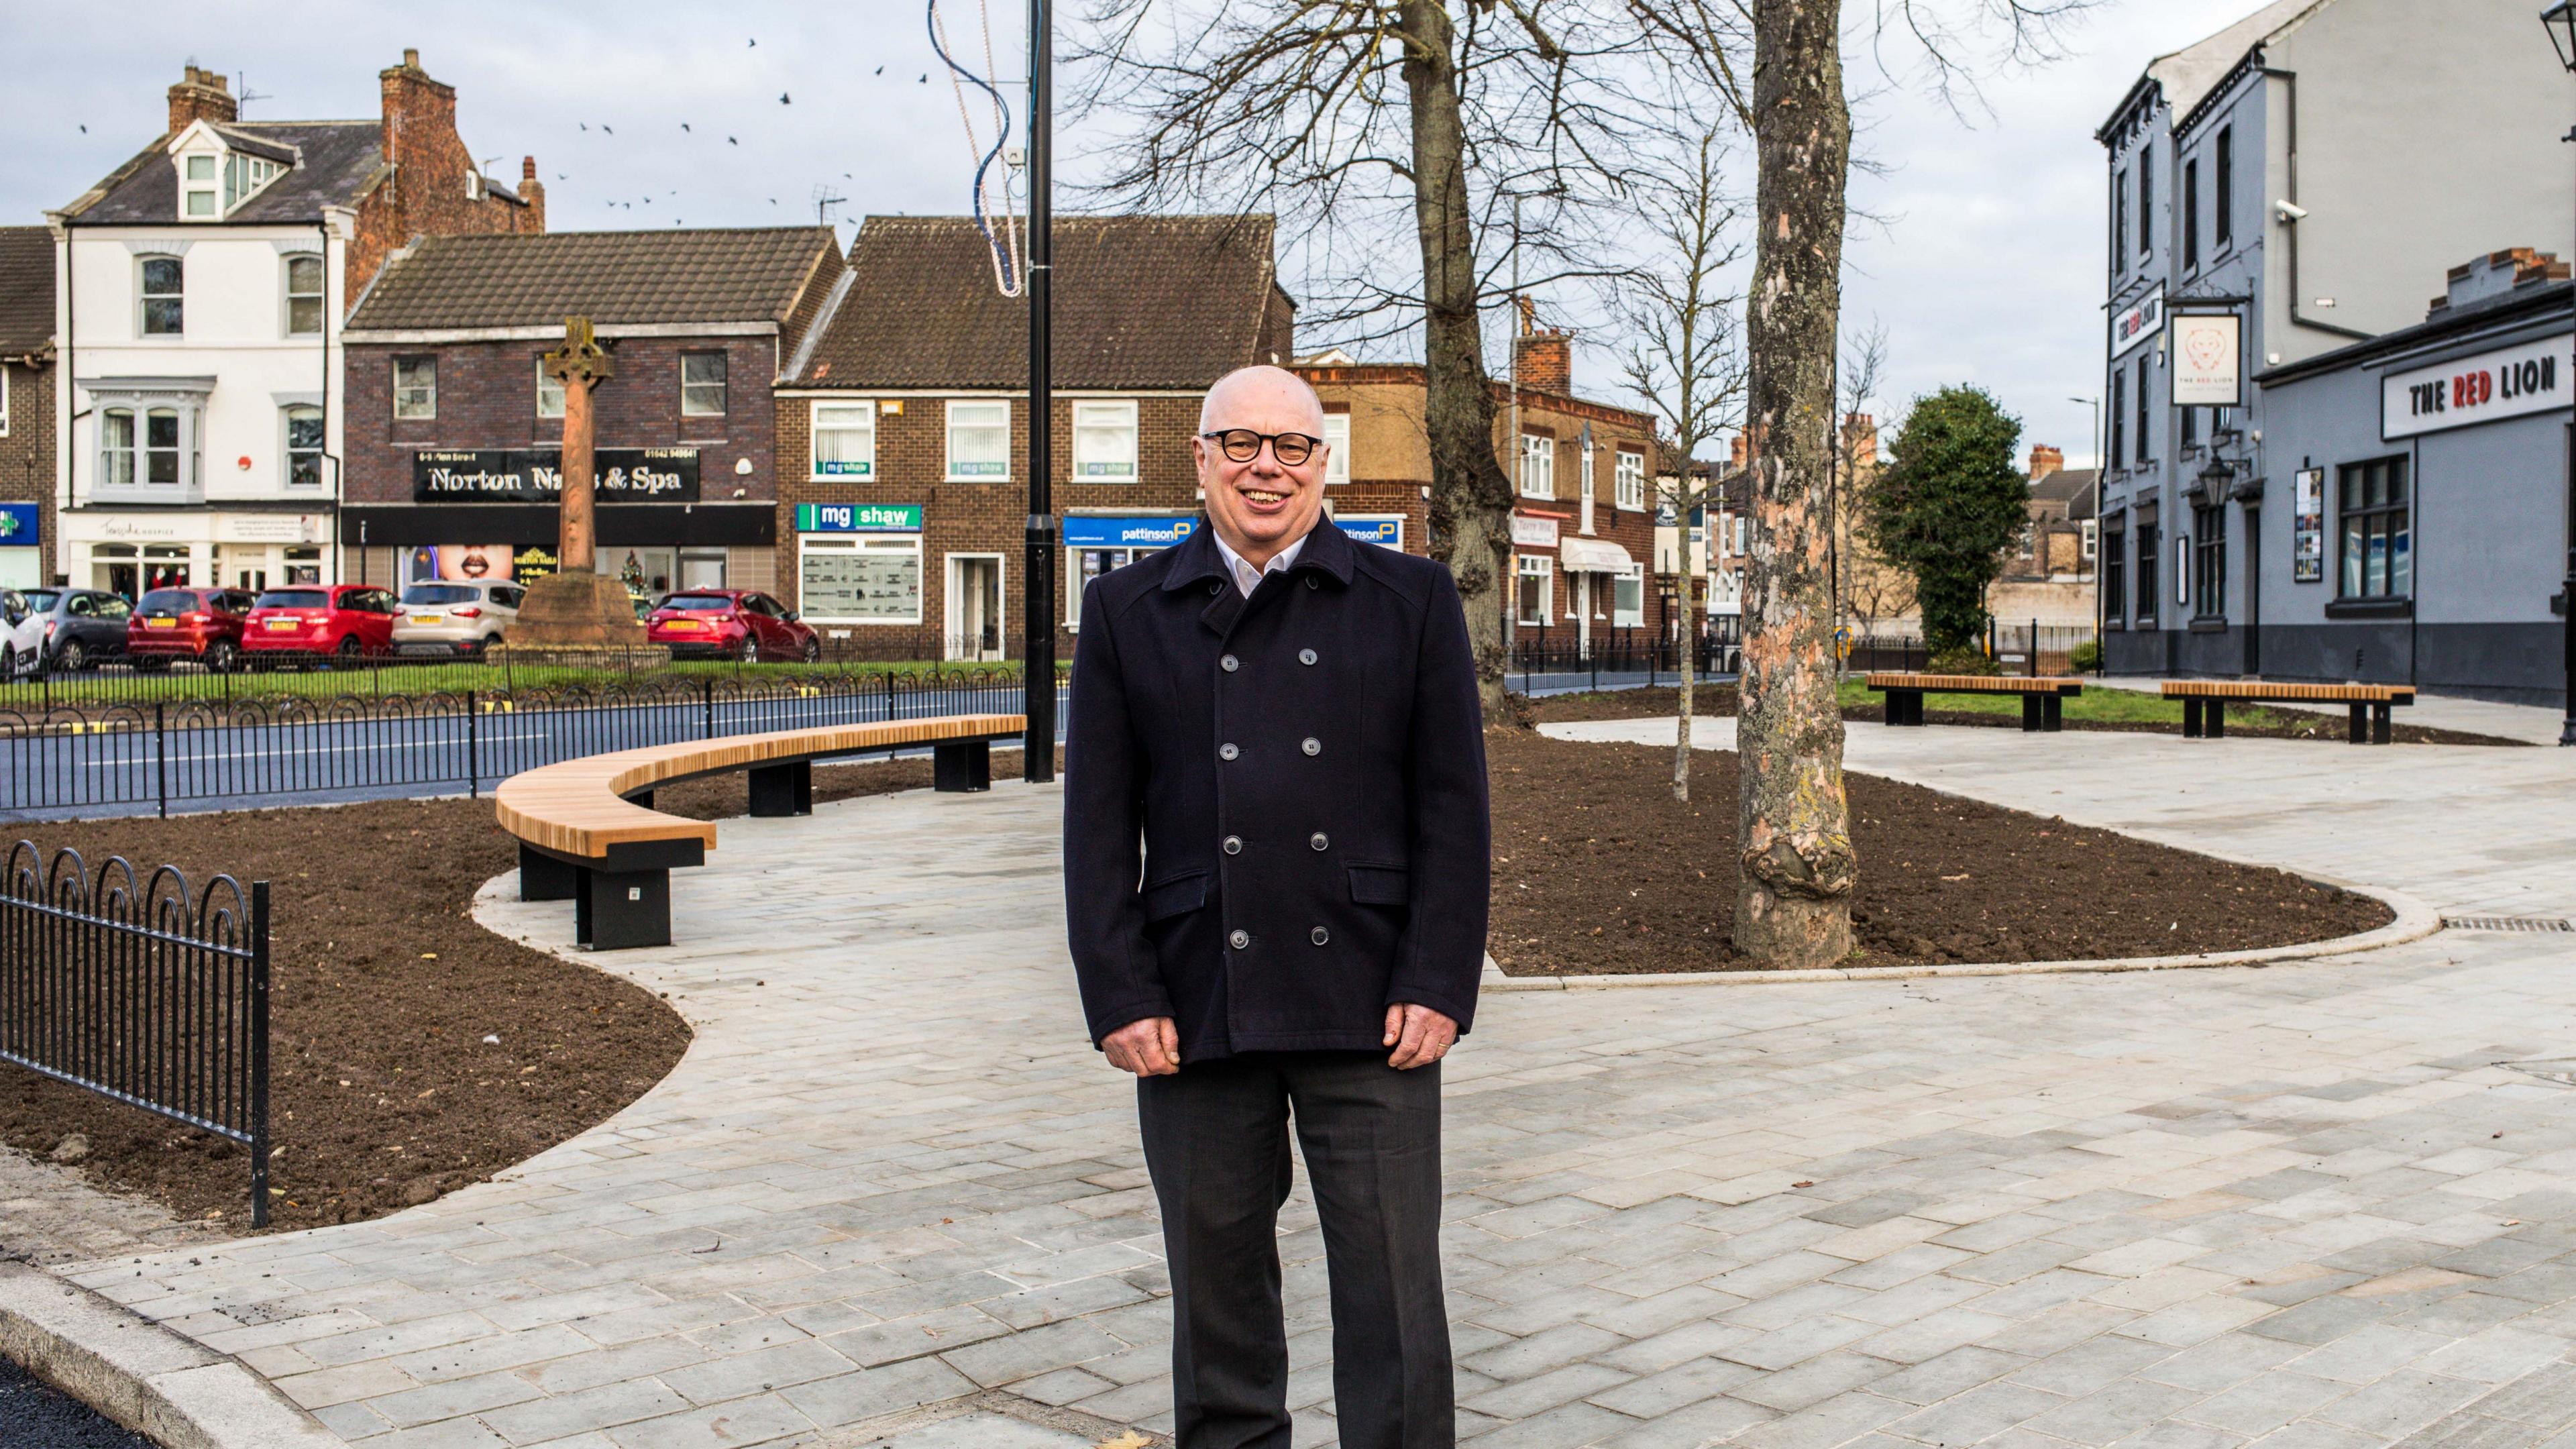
{"x": 1275, "y": 866}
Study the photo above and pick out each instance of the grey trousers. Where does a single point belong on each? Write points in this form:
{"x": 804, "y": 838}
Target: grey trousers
{"x": 1216, "y": 1142}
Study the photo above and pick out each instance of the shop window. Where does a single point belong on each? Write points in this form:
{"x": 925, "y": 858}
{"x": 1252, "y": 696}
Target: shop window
{"x": 2115, "y": 576}
{"x": 860, "y": 580}
{"x": 1337, "y": 441}
{"x": 2209, "y": 560}
{"x": 2148, "y": 567}
{"x": 303, "y": 446}
{"x": 416, "y": 388}
{"x": 1628, "y": 594}
{"x": 1536, "y": 577}
{"x": 845, "y": 440}
{"x": 303, "y": 565}
{"x": 2378, "y": 553}
{"x": 1538, "y": 466}
{"x": 702, "y": 384}
{"x": 304, "y": 296}
{"x": 1104, "y": 442}
{"x": 161, "y": 293}
{"x": 979, "y": 441}
{"x": 1630, "y": 476}
{"x": 550, "y": 392}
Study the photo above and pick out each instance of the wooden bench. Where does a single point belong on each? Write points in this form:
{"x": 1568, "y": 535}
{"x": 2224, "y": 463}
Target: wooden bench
{"x": 2042, "y": 700}
{"x": 2205, "y": 701}
{"x": 588, "y": 832}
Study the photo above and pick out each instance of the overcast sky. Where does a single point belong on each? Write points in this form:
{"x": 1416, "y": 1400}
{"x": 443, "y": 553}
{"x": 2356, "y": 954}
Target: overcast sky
{"x": 1988, "y": 268}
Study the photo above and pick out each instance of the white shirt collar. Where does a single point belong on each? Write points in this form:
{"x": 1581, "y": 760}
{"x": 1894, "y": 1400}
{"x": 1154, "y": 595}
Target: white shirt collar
{"x": 1246, "y": 577}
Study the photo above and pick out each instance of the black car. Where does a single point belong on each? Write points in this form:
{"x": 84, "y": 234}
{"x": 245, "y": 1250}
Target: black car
{"x": 82, "y": 626}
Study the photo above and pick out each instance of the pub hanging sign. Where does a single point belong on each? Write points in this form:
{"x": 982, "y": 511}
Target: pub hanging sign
{"x": 535, "y": 475}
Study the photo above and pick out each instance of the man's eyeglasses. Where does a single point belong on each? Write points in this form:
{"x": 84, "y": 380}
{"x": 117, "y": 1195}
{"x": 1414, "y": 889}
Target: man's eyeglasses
{"x": 1242, "y": 445}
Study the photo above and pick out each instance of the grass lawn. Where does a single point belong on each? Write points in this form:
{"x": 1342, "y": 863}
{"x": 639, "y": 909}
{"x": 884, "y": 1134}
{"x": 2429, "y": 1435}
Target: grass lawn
{"x": 2095, "y": 704}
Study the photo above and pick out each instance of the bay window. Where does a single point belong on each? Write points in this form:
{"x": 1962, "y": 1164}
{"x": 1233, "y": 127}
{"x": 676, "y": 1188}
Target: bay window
{"x": 116, "y": 447}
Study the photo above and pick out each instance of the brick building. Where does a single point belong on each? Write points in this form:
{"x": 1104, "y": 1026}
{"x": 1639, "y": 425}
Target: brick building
{"x": 903, "y": 434}
{"x": 2049, "y": 574}
{"x": 456, "y": 433}
{"x": 203, "y": 283}
{"x": 27, "y": 379}
{"x": 1582, "y": 525}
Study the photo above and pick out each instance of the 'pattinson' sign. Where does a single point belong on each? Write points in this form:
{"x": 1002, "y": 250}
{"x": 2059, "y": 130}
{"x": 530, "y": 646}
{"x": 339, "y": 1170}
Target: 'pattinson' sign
{"x": 514, "y": 475}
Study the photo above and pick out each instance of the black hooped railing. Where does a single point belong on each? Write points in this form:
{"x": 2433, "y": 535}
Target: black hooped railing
{"x": 146, "y": 993}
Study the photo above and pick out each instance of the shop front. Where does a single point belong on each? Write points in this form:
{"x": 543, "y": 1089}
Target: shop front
{"x": 22, "y": 554}
{"x": 858, "y": 572}
{"x": 1095, "y": 544}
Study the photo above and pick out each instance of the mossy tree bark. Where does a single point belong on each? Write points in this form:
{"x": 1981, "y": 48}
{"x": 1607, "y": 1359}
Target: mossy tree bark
{"x": 1793, "y": 900}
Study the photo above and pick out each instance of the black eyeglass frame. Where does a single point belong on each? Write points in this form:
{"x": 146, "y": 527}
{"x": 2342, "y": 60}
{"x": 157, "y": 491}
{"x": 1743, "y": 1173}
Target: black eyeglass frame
{"x": 1259, "y": 440}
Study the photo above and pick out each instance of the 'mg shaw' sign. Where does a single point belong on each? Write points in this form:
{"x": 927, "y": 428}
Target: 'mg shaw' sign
{"x": 512, "y": 475}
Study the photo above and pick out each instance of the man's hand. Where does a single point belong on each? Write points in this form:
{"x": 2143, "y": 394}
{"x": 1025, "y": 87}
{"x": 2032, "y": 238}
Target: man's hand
{"x": 1419, "y": 1035}
{"x": 1149, "y": 1048}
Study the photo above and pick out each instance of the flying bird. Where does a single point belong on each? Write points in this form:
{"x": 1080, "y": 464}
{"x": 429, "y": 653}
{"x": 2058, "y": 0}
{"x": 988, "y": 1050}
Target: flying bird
{"x": 880, "y": 70}
{"x": 755, "y": 40}
{"x": 85, "y": 129}
{"x": 685, "y": 127}
{"x": 730, "y": 141}
{"x": 782, "y": 99}
{"x": 612, "y": 130}
{"x": 585, "y": 125}
{"x": 925, "y": 77}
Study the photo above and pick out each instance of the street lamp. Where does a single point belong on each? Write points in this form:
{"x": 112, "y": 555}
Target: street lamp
{"x": 2560, "y": 21}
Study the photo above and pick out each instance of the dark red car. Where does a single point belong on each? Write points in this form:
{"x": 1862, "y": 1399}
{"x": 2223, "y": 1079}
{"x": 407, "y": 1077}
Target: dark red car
{"x": 739, "y": 624}
{"x": 348, "y": 620}
{"x": 200, "y": 624}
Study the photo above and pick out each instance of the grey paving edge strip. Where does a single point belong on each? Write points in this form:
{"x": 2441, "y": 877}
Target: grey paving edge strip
{"x": 1104, "y": 1433}
{"x": 2415, "y": 920}
{"x": 168, "y": 1389}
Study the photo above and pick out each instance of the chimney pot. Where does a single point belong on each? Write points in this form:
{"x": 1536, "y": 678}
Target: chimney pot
{"x": 1546, "y": 361}
{"x": 200, "y": 95}
{"x": 411, "y": 58}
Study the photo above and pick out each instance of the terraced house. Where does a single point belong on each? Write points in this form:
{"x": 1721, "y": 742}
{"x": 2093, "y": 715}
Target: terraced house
{"x": 200, "y": 289}
{"x": 27, "y": 378}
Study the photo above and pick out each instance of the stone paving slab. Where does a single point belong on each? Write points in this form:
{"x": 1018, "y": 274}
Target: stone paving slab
{"x": 2309, "y": 1205}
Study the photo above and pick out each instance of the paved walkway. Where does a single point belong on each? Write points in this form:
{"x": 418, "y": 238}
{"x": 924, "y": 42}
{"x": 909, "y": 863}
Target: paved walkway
{"x": 2307, "y": 1207}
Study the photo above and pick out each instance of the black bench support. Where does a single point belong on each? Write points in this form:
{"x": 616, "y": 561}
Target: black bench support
{"x": 616, "y": 909}
{"x": 778, "y": 791}
{"x": 2379, "y": 723}
{"x": 2190, "y": 718}
{"x": 963, "y": 767}
{"x": 2357, "y": 731}
{"x": 1904, "y": 707}
{"x": 2053, "y": 719}
{"x": 2214, "y": 718}
{"x": 542, "y": 877}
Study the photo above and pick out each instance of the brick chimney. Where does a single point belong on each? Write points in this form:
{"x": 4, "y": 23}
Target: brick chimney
{"x": 533, "y": 192}
{"x": 1546, "y": 361}
{"x": 419, "y": 114}
{"x": 200, "y": 95}
{"x": 2044, "y": 460}
{"x": 1860, "y": 439}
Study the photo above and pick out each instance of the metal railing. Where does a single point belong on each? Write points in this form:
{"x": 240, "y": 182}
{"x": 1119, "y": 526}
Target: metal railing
{"x": 146, "y": 993}
{"x": 82, "y": 756}
{"x": 1543, "y": 661}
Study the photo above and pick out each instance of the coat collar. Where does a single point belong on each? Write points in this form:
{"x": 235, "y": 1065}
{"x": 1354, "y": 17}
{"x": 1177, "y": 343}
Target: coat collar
{"x": 1328, "y": 551}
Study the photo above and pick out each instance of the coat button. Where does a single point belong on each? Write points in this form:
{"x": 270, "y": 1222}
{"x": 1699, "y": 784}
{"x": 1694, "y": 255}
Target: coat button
{"x": 1320, "y": 936}
{"x": 1312, "y": 583}
{"x": 1234, "y": 845}
{"x": 1305, "y": 656}
{"x": 1215, "y": 587}
{"x": 1313, "y": 746}
{"x": 1230, "y": 663}
{"x": 1227, "y": 751}
{"x": 1318, "y": 841}
{"x": 1239, "y": 940}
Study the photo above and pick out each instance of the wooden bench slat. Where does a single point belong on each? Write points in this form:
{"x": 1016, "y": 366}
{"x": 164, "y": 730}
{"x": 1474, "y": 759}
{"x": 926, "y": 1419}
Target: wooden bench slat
{"x": 2286, "y": 693}
{"x": 574, "y": 807}
{"x": 1975, "y": 683}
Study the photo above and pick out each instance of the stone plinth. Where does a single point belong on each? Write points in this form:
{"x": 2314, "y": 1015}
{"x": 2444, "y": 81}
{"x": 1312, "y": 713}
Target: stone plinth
{"x": 578, "y": 621}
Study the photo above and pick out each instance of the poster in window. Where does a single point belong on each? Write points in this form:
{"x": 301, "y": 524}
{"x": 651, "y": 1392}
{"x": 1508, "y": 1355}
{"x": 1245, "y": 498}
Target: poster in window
{"x": 863, "y": 586}
{"x": 2308, "y": 526}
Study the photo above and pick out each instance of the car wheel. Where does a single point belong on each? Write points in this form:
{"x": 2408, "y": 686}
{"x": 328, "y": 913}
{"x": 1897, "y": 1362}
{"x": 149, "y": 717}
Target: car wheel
{"x": 73, "y": 655}
{"x": 223, "y": 656}
{"x": 750, "y": 651}
{"x": 348, "y": 647}
{"x": 813, "y": 651}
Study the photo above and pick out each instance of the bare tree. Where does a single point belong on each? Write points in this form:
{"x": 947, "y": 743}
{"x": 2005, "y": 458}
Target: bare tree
{"x": 1339, "y": 115}
{"x": 1687, "y": 359}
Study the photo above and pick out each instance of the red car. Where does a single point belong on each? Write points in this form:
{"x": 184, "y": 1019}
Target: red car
{"x": 348, "y": 620}
{"x": 200, "y": 624}
{"x": 731, "y": 624}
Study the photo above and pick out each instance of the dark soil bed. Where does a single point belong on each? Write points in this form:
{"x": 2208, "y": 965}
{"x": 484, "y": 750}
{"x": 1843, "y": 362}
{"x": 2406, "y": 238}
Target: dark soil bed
{"x": 383, "y": 1092}
{"x": 1718, "y": 702}
{"x": 1598, "y": 870}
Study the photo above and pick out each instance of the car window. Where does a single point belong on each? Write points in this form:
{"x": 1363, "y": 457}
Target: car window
{"x": 109, "y": 606}
{"x": 41, "y": 600}
{"x": 167, "y": 601}
{"x": 239, "y": 603}
{"x": 440, "y": 594}
{"x": 294, "y": 599}
{"x": 83, "y": 607}
{"x": 698, "y": 603}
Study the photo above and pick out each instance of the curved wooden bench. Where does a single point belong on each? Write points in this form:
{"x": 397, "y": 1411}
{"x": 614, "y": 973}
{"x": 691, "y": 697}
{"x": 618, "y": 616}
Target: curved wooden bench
{"x": 588, "y": 832}
{"x": 2204, "y": 703}
{"x": 2041, "y": 707}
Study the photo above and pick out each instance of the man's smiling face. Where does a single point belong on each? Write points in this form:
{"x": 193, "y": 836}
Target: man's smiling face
{"x": 1262, "y": 506}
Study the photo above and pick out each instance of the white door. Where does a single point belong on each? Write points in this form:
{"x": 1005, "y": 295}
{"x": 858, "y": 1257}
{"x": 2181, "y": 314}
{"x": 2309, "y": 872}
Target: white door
{"x": 974, "y": 607}
{"x": 1587, "y": 487}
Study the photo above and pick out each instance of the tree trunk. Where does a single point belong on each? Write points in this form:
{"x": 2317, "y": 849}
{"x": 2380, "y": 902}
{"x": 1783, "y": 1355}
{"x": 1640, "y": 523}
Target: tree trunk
{"x": 1793, "y": 900}
{"x": 1689, "y": 658}
{"x": 1471, "y": 498}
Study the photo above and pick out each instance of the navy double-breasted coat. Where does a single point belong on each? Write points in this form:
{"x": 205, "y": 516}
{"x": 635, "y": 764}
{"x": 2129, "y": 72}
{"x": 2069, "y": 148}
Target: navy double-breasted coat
{"x": 1275, "y": 819}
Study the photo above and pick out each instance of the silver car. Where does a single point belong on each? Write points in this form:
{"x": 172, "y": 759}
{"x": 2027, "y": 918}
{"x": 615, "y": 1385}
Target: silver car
{"x": 454, "y": 619}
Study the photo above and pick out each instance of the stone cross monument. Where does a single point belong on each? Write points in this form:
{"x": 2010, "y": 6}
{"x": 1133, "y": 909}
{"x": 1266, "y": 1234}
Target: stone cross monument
{"x": 578, "y": 615}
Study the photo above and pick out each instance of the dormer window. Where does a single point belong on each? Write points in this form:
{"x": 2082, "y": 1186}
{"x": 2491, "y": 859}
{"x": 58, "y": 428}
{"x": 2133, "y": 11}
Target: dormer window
{"x": 215, "y": 179}
{"x": 198, "y": 196}
{"x": 244, "y": 176}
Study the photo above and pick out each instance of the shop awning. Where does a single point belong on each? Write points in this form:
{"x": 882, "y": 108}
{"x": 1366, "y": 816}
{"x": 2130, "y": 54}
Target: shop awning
{"x": 1591, "y": 556}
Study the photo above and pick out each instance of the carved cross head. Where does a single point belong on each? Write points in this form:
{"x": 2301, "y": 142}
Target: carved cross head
{"x": 581, "y": 360}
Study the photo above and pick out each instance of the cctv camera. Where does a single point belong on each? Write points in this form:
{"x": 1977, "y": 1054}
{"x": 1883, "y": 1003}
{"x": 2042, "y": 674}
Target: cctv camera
{"x": 2292, "y": 211}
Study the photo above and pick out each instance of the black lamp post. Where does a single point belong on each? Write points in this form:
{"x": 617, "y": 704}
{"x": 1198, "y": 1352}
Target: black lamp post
{"x": 2560, "y": 21}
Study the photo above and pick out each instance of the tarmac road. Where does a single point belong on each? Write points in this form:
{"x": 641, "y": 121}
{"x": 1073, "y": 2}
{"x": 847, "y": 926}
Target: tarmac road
{"x": 33, "y": 1416}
